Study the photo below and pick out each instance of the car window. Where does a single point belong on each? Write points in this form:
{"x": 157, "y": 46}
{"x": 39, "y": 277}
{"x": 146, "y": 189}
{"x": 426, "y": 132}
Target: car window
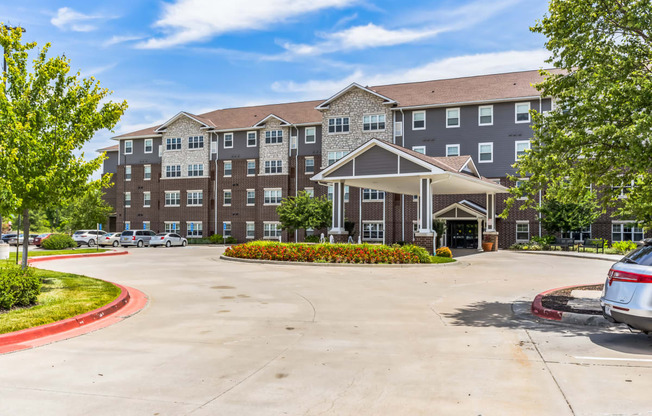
{"x": 642, "y": 256}
{"x": 175, "y": 235}
{"x": 79, "y": 232}
{"x": 127, "y": 233}
{"x": 161, "y": 234}
{"x": 152, "y": 233}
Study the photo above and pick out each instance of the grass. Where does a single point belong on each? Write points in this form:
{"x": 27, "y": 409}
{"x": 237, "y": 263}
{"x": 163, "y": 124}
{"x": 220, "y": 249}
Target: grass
{"x": 40, "y": 253}
{"x": 436, "y": 259}
{"x": 63, "y": 295}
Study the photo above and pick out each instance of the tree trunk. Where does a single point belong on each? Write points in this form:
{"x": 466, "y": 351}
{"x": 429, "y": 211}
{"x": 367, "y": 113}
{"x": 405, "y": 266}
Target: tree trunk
{"x": 25, "y": 237}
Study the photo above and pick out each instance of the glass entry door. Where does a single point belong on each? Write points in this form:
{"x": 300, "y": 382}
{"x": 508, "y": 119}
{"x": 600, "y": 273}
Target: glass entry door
{"x": 463, "y": 234}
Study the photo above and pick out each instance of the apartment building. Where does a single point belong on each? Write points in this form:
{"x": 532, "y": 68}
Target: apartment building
{"x": 227, "y": 170}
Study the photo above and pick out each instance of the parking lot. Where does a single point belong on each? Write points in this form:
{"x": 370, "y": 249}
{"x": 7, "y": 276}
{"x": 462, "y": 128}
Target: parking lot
{"x": 228, "y": 338}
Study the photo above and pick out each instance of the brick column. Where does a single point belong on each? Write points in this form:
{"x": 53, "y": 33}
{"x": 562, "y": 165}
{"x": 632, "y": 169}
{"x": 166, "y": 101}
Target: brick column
{"x": 426, "y": 241}
{"x": 339, "y": 238}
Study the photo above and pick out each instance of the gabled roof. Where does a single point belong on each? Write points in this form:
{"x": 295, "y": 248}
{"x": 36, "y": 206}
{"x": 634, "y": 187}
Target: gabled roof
{"x": 201, "y": 120}
{"x": 113, "y": 148}
{"x": 349, "y": 88}
{"x": 466, "y": 206}
{"x": 263, "y": 121}
{"x": 148, "y": 132}
{"x": 457, "y": 164}
{"x": 243, "y": 117}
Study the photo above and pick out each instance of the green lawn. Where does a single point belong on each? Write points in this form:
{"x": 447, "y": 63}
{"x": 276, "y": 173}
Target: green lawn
{"x": 39, "y": 253}
{"x": 436, "y": 259}
{"x": 63, "y": 295}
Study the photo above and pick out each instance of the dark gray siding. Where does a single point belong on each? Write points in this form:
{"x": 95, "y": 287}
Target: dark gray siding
{"x": 139, "y": 156}
{"x": 376, "y": 161}
{"x": 346, "y": 170}
{"x": 311, "y": 149}
{"x": 240, "y": 149}
{"x": 111, "y": 162}
{"x": 411, "y": 167}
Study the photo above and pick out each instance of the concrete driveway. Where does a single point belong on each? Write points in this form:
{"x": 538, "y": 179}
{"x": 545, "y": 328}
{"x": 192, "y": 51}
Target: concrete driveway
{"x": 226, "y": 338}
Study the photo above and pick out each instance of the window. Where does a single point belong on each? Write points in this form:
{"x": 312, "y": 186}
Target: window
{"x": 419, "y": 149}
{"x": 452, "y": 150}
{"x": 128, "y": 173}
{"x": 398, "y": 128}
{"x": 195, "y": 198}
{"x": 274, "y": 136}
{"x": 173, "y": 143}
{"x": 196, "y": 169}
{"x": 624, "y": 189}
{"x": 228, "y": 140}
{"x": 372, "y": 195}
{"x": 251, "y": 167}
{"x": 127, "y": 225}
{"x": 335, "y": 156}
{"x": 172, "y": 198}
{"x": 227, "y": 197}
{"x": 418, "y": 120}
{"x": 372, "y": 230}
{"x": 226, "y": 228}
{"x": 625, "y": 231}
{"x": 293, "y": 142}
{"x": 520, "y": 183}
{"x": 310, "y": 192}
{"x": 272, "y": 230}
{"x": 311, "y": 135}
{"x": 581, "y": 235}
{"x": 452, "y": 117}
{"x": 129, "y": 147}
{"x": 149, "y": 145}
{"x": 485, "y": 152}
{"x": 171, "y": 227}
{"x": 160, "y": 150}
{"x": 522, "y": 231}
{"x": 195, "y": 229}
{"x": 127, "y": 199}
{"x": 251, "y": 197}
{"x": 346, "y": 193}
{"x": 228, "y": 168}
{"x": 521, "y": 147}
{"x": 213, "y": 147}
{"x": 522, "y": 112}
{"x": 146, "y": 225}
{"x": 196, "y": 142}
{"x": 147, "y": 175}
{"x": 273, "y": 196}
{"x": 486, "y": 115}
{"x": 310, "y": 165}
{"x": 252, "y": 138}
{"x": 273, "y": 166}
{"x": 338, "y": 125}
{"x": 415, "y": 198}
{"x": 251, "y": 230}
{"x": 173, "y": 171}
{"x": 147, "y": 199}
{"x": 373, "y": 123}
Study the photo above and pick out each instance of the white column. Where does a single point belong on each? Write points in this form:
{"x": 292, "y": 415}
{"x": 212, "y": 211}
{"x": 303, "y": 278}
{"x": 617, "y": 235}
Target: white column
{"x": 491, "y": 212}
{"x": 480, "y": 234}
{"x": 425, "y": 205}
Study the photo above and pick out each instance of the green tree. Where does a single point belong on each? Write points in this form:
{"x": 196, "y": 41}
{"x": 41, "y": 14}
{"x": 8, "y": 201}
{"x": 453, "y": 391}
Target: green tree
{"x": 599, "y": 131}
{"x": 46, "y": 116}
{"x": 567, "y": 216}
{"x": 304, "y": 211}
{"x": 86, "y": 211}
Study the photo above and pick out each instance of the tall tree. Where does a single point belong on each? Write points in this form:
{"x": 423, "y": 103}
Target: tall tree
{"x": 86, "y": 211}
{"x": 304, "y": 211}
{"x": 599, "y": 132}
{"x": 559, "y": 216}
{"x": 46, "y": 116}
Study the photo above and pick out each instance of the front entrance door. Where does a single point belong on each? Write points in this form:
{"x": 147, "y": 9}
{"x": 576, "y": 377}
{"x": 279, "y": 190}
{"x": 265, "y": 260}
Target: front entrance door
{"x": 463, "y": 234}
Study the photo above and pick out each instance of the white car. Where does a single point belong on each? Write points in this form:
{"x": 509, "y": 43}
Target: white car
{"x": 168, "y": 240}
{"x": 109, "y": 239}
{"x": 87, "y": 237}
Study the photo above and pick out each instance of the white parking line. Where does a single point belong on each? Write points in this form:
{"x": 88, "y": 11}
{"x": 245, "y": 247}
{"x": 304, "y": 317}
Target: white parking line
{"x": 642, "y": 360}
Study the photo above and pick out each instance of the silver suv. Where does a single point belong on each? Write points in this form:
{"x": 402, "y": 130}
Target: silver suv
{"x": 136, "y": 238}
{"x": 627, "y": 294}
{"x": 88, "y": 237}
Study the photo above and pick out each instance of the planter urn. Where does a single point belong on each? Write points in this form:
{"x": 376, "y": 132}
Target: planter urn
{"x": 487, "y": 246}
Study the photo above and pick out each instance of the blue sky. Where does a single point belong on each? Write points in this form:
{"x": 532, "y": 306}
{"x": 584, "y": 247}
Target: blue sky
{"x": 200, "y": 55}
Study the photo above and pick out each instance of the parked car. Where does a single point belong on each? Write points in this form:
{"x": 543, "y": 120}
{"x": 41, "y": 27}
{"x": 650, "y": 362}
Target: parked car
{"x": 39, "y": 239}
{"x": 627, "y": 294}
{"x": 168, "y": 240}
{"x": 7, "y": 237}
{"x": 88, "y": 237}
{"x": 110, "y": 239}
{"x": 136, "y": 238}
{"x": 14, "y": 239}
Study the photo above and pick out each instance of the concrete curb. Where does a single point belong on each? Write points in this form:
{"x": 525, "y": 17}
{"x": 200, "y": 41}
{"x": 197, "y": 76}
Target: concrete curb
{"x": 562, "y": 254}
{"x": 540, "y": 311}
{"x": 40, "y": 259}
{"x": 301, "y": 263}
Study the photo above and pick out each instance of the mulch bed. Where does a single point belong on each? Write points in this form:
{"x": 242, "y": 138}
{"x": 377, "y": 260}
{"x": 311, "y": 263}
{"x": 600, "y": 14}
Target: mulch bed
{"x": 559, "y": 300}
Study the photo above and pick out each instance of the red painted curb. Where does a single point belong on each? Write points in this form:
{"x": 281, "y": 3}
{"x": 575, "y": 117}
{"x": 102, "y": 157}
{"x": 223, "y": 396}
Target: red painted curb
{"x": 75, "y": 256}
{"x": 539, "y": 310}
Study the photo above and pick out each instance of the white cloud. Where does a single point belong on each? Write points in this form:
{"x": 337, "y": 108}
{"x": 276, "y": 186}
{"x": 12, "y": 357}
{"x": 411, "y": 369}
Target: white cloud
{"x": 97, "y": 70}
{"x": 458, "y": 66}
{"x": 69, "y": 19}
{"x": 121, "y": 39}
{"x": 186, "y": 21}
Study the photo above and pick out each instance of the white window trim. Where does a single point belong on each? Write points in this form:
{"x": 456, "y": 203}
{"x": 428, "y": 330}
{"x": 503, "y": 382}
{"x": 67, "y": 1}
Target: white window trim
{"x": 197, "y": 148}
{"x": 150, "y": 199}
{"x": 521, "y": 222}
{"x": 165, "y": 198}
{"x": 516, "y": 113}
{"x": 372, "y": 200}
{"x": 311, "y": 189}
{"x": 131, "y": 142}
{"x": 149, "y": 225}
{"x": 459, "y": 117}
{"x": 127, "y": 225}
{"x": 230, "y": 228}
{"x": 270, "y": 237}
{"x": 270, "y": 167}
{"x": 305, "y": 135}
{"x": 125, "y": 199}
{"x": 224, "y": 191}
{"x": 256, "y": 138}
{"x": 175, "y": 230}
{"x": 414, "y": 148}
{"x": 173, "y": 150}
{"x": 516, "y": 143}
{"x": 480, "y": 115}
{"x": 424, "y": 120}
{"x": 224, "y": 175}
{"x": 195, "y": 229}
{"x": 277, "y": 142}
{"x": 247, "y": 236}
{"x": 372, "y": 222}
{"x": 459, "y": 148}
{"x": 492, "y": 152}
{"x": 370, "y": 115}
{"x": 191, "y": 191}
{"x": 213, "y": 148}
{"x": 249, "y": 174}
{"x": 313, "y": 165}
{"x": 130, "y": 173}
{"x": 150, "y": 173}
{"x": 145, "y": 146}
{"x": 224, "y": 141}
{"x": 247, "y": 197}
{"x": 272, "y": 189}
{"x": 338, "y": 132}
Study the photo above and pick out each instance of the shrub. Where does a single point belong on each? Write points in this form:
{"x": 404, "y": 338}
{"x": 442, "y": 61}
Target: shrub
{"x": 58, "y": 242}
{"x": 444, "y": 252}
{"x": 199, "y": 240}
{"x": 312, "y": 239}
{"x": 544, "y": 242}
{"x": 518, "y": 246}
{"x": 421, "y": 253}
{"x": 216, "y": 239}
{"x": 624, "y": 247}
{"x": 230, "y": 240}
{"x": 18, "y": 287}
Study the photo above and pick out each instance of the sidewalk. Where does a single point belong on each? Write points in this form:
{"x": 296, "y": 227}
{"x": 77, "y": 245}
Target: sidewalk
{"x": 607, "y": 257}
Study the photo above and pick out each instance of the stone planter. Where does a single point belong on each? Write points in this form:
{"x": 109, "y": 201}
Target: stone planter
{"x": 487, "y": 246}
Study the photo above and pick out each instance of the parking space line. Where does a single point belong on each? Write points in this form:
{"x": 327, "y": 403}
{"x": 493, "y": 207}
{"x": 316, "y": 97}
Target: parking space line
{"x": 642, "y": 360}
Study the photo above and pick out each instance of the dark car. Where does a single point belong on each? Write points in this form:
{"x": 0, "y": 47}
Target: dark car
{"x": 7, "y": 237}
{"x": 38, "y": 240}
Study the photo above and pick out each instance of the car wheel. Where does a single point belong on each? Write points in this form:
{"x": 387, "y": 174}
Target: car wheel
{"x": 140, "y": 243}
{"x": 183, "y": 243}
{"x": 115, "y": 244}
{"x": 91, "y": 243}
{"x": 168, "y": 244}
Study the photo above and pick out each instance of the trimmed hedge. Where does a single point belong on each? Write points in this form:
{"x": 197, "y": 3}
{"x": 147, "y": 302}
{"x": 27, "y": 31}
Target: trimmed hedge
{"x": 58, "y": 242}
{"x": 18, "y": 287}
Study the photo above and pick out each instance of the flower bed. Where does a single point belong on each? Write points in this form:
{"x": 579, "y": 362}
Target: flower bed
{"x": 329, "y": 253}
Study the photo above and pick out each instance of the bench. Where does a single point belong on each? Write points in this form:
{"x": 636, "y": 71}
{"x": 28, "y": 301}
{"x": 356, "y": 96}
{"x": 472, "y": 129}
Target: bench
{"x": 596, "y": 243}
{"x": 564, "y": 243}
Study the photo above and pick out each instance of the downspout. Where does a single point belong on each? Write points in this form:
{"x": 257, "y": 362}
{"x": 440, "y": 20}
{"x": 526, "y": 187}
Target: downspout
{"x": 402, "y": 195}
{"x": 217, "y": 153}
{"x": 539, "y": 190}
{"x": 402, "y": 128}
{"x": 296, "y": 173}
{"x": 384, "y": 221}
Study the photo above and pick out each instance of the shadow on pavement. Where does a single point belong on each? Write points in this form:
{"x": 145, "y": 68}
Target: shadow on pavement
{"x": 463, "y": 252}
{"x": 625, "y": 342}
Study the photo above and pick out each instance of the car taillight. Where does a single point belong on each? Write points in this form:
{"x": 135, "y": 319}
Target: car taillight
{"x": 108, "y": 238}
{"x": 162, "y": 238}
{"x": 133, "y": 238}
{"x": 84, "y": 236}
{"x": 621, "y": 276}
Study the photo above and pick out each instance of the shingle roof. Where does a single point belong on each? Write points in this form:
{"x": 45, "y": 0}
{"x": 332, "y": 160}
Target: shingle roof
{"x": 447, "y": 163}
{"x": 242, "y": 117}
{"x": 113, "y": 148}
{"x": 149, "y": 131}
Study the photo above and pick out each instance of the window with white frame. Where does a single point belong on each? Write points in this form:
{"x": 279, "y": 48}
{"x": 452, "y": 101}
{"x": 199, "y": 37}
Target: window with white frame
{"x": 398, "y": 128}
{"x": 310, "y": 192}
{"x": 273, "y": 196}
{"x": 452, "y": 117}
{"x": 127, "y": 199}
{"x": 415, "y": 229}
{"x": 172, "y": 198}
{"x": 273, "y": 166}
{"x": 227, "y": 197}
{"x": 335, "y": 156}
{"x": 372, "y": 231}
{"x": 251, "y": 167}
{"x": 452, "y": 150}
{"x": 310, "y": 164}
{"x": 147, "y": 199}
{"x": 274, "y": 136}
{"x": 149, "y": 145}
{"x": 372, "y": 195}
{"x": 160, "y": 150}
{"x": 625, "y": 189}
{"x": 228, "y": 140}
{"x": 580, "y": 235}
{"x": 419, "y": 149}
{"x": 251, "y": 197}
{"x": 196, "y": 142}
{"x": 173, "y": 143}
{"x": 146, "y": 225}
{"x": 172, "y": 226}
{"x": 252, "y": 138}
{"x": 375, "y": 122}
{"x": 486, "y": 115}
{"x": 196, "y": 169}
{"x": 127, "y": 225}
{"x": 213, "y": 147}
{"x": 338, "y": 125}
{"x": 195, "y": 229}
{"x": 311, "y": 135}
{"x": 129, "y": 147}
{"x": 272, "y": 230}
{"x": 418, "y": 120}
{"x": 522, "y": 231}
{"x": 293, "y": 142}
{"x": 522, "y": 111}
{"x": 329, "y": 195}
{"x": 226, "y": 228}
{"x": 195, "y": 198}
{"x": 415, "y": 198}
{"x": 147, "y": 172}
{"x": 520, "y": 147}
{"x": 251, "y": 230}
{"x": 625, "y": 231}
{"x": 519, "y": 184}
{"x": 485, "y": 152}
{"x": 228, "y": 168}
{"x": 173, "y": 171}
{"x": 128, "y": 173}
